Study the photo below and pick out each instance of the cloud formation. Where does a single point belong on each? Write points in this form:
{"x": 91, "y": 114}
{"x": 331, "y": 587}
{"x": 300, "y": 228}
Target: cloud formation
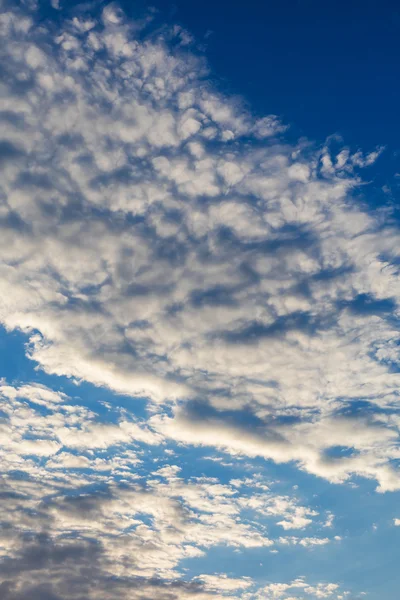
{"x": 160, "y": 240}
{"x": 80, "y": 497}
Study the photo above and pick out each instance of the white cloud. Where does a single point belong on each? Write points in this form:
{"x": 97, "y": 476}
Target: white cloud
{"x": 148, "y": 248}
{"x": 300, "y": 586}
{"x": 27, "y": 431}
{"x": 152, "y": 243}
{"x": 145, "y": 522}
{"x": 223, "y": 583}
{"x": 305, "y": 443}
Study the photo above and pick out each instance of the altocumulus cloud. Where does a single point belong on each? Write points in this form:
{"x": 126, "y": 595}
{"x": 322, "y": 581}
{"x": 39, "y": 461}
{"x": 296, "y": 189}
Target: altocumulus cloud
{"x": 161, "y": 241}
{"x": 81, "y": 523}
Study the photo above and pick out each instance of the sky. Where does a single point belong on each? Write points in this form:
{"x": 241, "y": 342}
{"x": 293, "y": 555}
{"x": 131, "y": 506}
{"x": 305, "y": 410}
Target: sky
{"x": 199, "y": 301}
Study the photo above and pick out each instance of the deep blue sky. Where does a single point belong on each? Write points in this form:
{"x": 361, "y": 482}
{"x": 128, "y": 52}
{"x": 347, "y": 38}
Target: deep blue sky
{"x": 325, "y": 67}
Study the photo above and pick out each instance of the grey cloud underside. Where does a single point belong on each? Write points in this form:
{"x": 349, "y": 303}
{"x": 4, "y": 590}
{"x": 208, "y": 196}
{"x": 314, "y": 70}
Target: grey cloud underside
{"x": 48, "y": 571}
{"x": 159, "y": 240}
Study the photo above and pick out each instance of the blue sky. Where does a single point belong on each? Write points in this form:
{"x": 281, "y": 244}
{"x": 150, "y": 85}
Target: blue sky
{"x": 199, "y": 301}
{"x": 323, "y": 67}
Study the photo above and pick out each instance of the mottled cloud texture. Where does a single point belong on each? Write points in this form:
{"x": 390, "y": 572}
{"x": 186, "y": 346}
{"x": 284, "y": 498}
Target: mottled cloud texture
{"x": 159, "y": 240}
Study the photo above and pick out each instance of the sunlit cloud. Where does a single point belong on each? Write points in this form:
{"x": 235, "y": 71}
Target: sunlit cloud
{"x": 160, "y": 241}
